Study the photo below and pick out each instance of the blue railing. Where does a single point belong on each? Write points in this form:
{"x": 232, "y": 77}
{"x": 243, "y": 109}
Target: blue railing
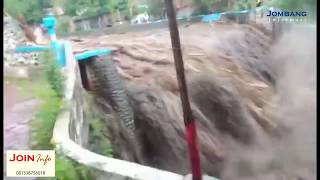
{"x": 57, "y": 47}
{"x": 29, "y": 49}
{"x": 217, "y": 16}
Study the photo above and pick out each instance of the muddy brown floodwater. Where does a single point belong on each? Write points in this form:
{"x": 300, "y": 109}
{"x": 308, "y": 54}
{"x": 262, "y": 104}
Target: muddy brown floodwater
{"x": 233, "y": 82}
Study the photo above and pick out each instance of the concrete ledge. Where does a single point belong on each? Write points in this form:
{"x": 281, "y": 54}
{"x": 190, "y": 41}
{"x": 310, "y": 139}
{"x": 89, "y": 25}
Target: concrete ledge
{"x": 123, "y": 28}
{"x": 119, "y": 169}
{"x": 63, "y": 143}
{"x": 114, "y": 166}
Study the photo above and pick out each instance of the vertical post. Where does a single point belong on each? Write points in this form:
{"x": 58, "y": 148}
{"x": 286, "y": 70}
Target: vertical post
{"x": 254, "y": 6}
{"x": 187, "y": 113}
{"x": 277, "y": 29}
{"x": 274, "y": 30}
{"x": 50, "y": 23}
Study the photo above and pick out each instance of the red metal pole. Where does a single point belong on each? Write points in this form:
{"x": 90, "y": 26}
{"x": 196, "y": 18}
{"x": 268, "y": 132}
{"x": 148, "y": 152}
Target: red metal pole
{"x": 191, "y": 133}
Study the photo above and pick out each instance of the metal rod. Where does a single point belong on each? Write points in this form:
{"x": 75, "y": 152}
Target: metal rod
{"x": 187, "y": 113}
{"x": 175, "y": 41}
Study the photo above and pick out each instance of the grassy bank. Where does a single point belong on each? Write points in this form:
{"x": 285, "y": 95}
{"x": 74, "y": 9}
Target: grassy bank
{"x": 98, "y": 139}
{"x": 45, "y": 84}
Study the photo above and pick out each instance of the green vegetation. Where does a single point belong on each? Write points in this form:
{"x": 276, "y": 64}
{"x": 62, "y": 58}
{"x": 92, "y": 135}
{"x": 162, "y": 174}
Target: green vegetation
{"x": 73, "y": 7}
{"x": 63, "y": 26}
{"x": 156, "y": 7}
{"x": 98, "y": 131}
{"x": 51, "y": 96}
{"x": 101, "y": 144}
{"x": 38, "y": 87}
{"x": 205, "y": 6}
{"x": 32, "y": 10}
{"x": 67, "y": 169}
{"x": 94, "y": 7}
{"x": 53, "y": 74}
{"x": 242, "y": 5}
{"x": 46, "y": 85}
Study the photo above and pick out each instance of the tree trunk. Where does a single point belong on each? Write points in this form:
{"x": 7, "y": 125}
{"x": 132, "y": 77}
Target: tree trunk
{"x": 130, "y": 12}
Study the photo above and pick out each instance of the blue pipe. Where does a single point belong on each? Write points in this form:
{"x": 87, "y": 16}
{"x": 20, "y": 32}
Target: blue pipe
{"x": 29, "y": 49}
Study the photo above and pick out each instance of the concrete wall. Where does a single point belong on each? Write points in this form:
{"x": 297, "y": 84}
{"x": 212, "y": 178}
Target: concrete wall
{"x": 70, "y": 135}
{"x": 72, "y": 130}
{"x": 97, "y": 22}
{"x": 79, "y": 125}
{"x": 123, "y": 28}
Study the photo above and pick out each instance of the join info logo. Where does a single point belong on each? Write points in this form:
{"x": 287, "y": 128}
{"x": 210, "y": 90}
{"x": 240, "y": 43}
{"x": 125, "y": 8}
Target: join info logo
{"x": 30, "y": 163}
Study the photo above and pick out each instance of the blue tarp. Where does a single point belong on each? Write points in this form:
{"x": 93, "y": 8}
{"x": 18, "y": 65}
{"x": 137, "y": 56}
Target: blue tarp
{"x": 211, "y": 17}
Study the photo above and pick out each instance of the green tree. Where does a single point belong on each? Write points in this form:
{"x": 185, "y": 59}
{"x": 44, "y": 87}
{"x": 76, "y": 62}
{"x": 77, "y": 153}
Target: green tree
{"x": 95, "y": 7}
{"x": 70, "y": 7}
{"x": 156, "y": 7}
{"x": 122, "y": 5}
{"x": 106, "y": 5}
{"x": 209, "y": 6}
{"x": 73, "y": 6}
{"x": 242, "y": 5}
{"x": 204, "y": 6}
{"x": 32, "y": 10}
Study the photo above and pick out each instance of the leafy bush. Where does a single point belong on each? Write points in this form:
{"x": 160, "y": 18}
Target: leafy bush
{"x": 46, "y": 85}
{"x": 42, "y": 124}
{"x": 44, "y": 121}
{"x": 53, "y": 73}
{"x": 48, "y": 88}
{"x": 102, "y": 145}
{"x": 67, "y": 169}
{"x": 63, "y": 26}
{"x": 31, "y": 9}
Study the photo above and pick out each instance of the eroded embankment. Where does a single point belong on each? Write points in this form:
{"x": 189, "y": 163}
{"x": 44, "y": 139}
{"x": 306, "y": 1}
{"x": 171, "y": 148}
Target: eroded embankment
{"x": 231, "y": 83}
